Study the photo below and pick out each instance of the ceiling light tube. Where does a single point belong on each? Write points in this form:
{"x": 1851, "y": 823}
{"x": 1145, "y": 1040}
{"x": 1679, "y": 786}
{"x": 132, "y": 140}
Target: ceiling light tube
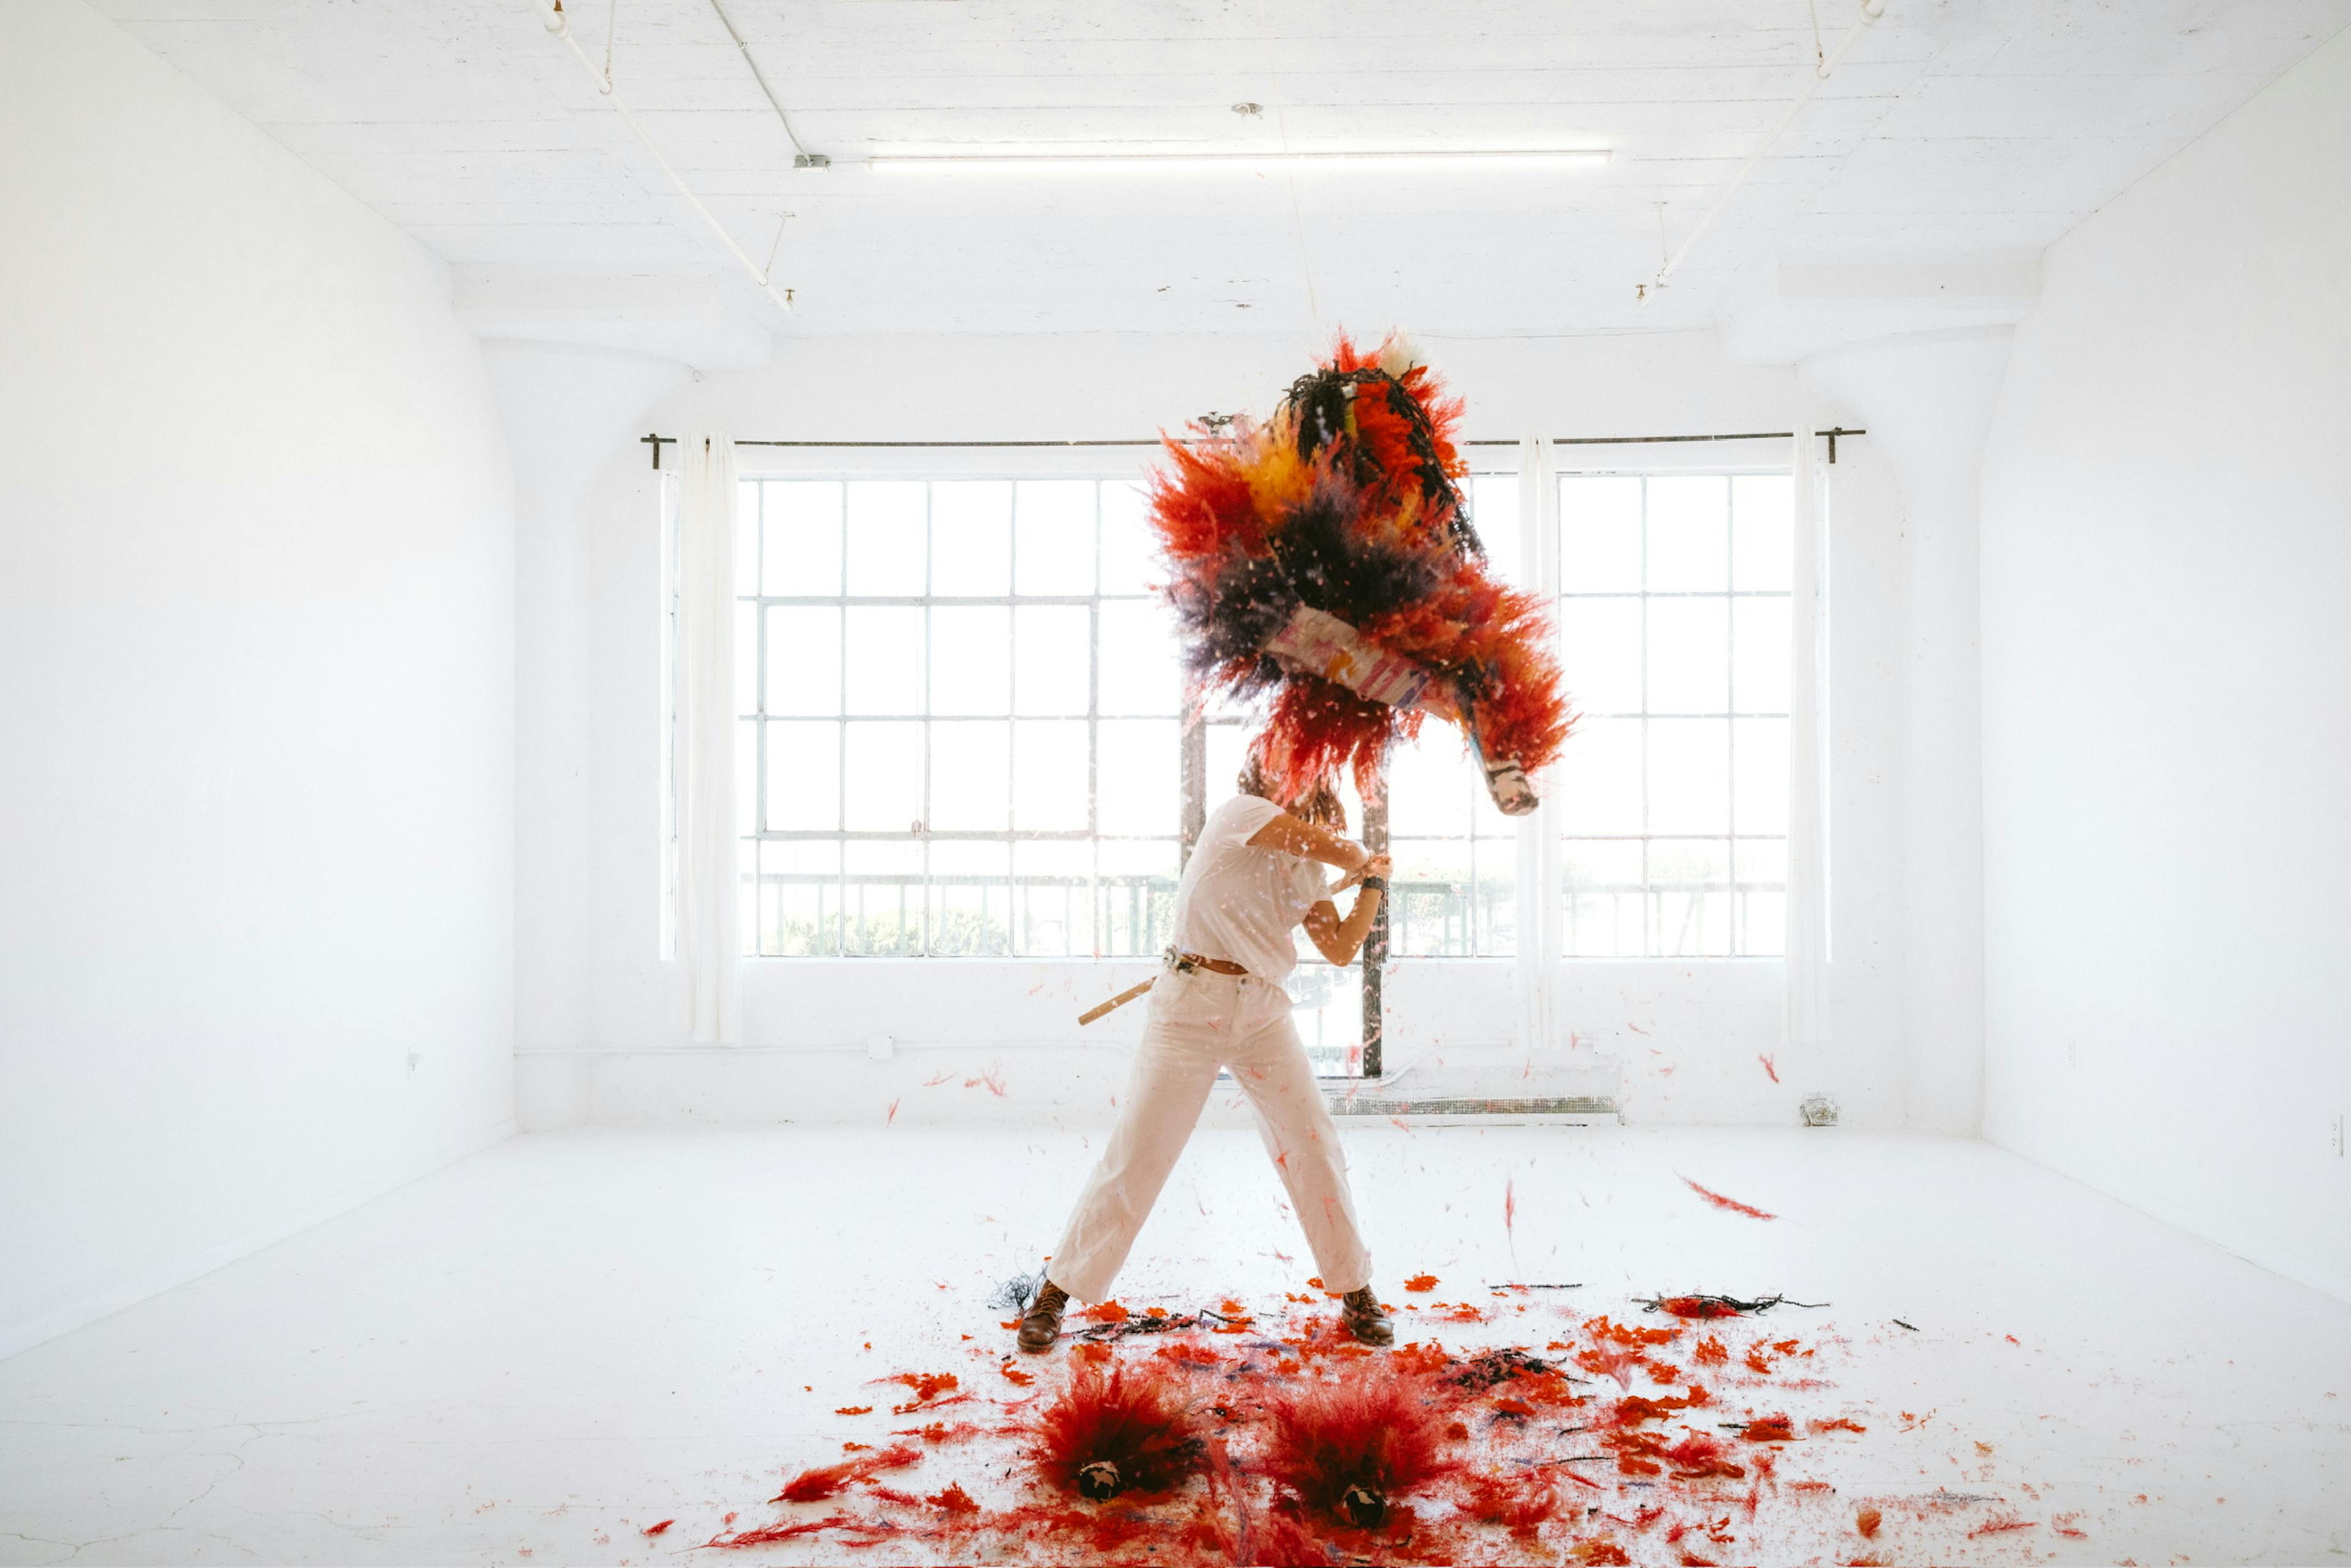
{"x": 1197, "y": 163}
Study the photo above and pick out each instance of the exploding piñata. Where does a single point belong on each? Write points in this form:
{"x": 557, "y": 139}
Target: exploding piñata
{"x": 1324, "y": 560}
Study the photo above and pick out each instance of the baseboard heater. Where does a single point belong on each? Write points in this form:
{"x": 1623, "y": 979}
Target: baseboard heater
{"x": 1440, "y": 1110}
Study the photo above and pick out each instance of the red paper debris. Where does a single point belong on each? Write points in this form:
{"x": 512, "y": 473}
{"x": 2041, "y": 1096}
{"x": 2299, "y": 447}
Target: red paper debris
{"x": 811, "y": 1485}
{"x": 1731, "y": 1204}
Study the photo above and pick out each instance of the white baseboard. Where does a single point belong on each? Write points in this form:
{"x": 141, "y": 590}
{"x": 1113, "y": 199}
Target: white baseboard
{"x": 22, "y": 1336}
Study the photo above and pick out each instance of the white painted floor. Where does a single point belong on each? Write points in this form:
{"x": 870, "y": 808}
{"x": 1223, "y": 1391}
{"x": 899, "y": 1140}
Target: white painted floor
{"x": 532, "y": 1355}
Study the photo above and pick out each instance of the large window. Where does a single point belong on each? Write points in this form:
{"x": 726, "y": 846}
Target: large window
{"x": 962, "y": 730}
{"x": 960, "y": 720}
{"x": 1673, "y": 612}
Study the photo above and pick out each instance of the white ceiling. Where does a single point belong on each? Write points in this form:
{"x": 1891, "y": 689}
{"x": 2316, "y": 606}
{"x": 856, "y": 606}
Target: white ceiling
{"x": 1956, "y": 135}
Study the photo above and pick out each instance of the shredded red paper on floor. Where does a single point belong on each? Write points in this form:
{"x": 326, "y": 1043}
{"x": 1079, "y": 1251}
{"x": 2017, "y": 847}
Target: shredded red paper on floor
{"x": 1204, "y": 1443}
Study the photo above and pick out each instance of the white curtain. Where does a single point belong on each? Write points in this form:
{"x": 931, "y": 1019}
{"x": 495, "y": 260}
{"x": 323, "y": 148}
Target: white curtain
{"x": 709, "y": 877}
{"x": 1808, "y": 749}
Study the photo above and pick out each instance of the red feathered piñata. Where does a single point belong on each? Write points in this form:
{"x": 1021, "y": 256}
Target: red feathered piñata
{"x": 1325, "y": 559}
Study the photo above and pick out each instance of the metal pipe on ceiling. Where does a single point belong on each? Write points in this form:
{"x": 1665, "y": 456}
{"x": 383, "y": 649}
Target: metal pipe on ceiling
{"x": 1869, "y": 12}
{"x": 550, "y": 13}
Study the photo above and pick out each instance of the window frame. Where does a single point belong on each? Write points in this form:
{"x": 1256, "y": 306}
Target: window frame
{"x": 1560, "y": 892}
{"x": 753, "y": 830}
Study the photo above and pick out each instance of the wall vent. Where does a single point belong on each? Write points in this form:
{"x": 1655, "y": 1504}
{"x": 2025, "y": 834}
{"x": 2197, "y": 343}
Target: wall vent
{"x": 1439, "y": 1111}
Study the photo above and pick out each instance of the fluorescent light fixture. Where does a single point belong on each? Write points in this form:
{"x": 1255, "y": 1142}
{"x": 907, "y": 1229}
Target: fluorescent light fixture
{"x": 1244, "y": 163}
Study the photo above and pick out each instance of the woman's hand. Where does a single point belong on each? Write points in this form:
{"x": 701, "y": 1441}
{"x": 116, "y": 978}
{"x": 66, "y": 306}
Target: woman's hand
{"x": 1374, "y": 865}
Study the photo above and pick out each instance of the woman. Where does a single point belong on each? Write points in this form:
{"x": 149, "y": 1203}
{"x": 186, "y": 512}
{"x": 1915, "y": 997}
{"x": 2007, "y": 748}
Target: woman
{"x": 1253, "y": 877}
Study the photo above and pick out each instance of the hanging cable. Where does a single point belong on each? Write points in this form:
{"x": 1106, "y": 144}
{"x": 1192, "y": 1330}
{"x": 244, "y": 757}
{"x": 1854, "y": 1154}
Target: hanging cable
{"x": 550, "y": 13}
{"x": 802, "y": 157}
{"x": 1869, "y": 14}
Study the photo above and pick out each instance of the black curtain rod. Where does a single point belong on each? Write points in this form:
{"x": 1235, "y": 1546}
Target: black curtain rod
{"x": 658, "y": 442}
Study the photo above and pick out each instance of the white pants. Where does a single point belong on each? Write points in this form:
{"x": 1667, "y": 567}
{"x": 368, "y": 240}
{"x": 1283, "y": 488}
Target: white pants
{"x": 1201, "y": 1021}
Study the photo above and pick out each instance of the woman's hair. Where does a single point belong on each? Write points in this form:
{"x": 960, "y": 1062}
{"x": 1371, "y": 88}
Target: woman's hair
{"x": 1319, "y": 805}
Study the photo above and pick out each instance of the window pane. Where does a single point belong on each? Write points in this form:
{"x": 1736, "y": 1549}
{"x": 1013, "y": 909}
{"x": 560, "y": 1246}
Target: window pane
{"x": 1599, "y": 535}
{"x": 1137, "y": 784}
{"x": 803, "y": 777}
{"x": 1688, "y": 534}
{"x": 1055, "y": 547}
{"x": 1607, "y": 902}
{"x": 1135, "y": 895}
{"x": 1760, "y": 774}
{"x": 1600, "y": 781}
{"x": 1429, "y": 910}
{"x": 971, "y": 659}
{"x": 882, "y": 778}
{"x": 886, "y": 553}
{"x": 1496, "y": 862}
{"x": 801, "y": 520}
{"x": 747, "y": 534}
{"x": 1689, "y": 656}
{"x": 803, "y": 659}
{"x": 882, "y": 895}
{"x": 1599, "y": 654}
{"x": 970, "y": 899}
{"x": 1129, "y": 564}
{"x": 798, "y": 898}
{"x": 1758, "y": 905}
{"x": 1762, "y": 540}
{"x": 1052, "y": 899}
{"x": 1051, "y": 658}
{"x": 971, "y": 777}
{"x": 747, "y": 777}
{"x": 970, "y": 904}
{"x": 746, "y": 658}
{"x": 1140, "y": 671}
{"x": 1494, "y": 510}
{"x": 1690, "y": 897}
{"x": 971, "y": 537}
{"x": 1759, "y": 655}
{"x": 1430, "y": 785}
{"x": 885, "y": 659}
{"x": 1689, "y": 776}
{"x": 1049, "y": 776}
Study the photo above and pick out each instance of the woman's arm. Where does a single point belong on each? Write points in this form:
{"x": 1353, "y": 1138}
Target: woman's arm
{"x": 1339, "y": 940}
{"x": 1296, "y": 836}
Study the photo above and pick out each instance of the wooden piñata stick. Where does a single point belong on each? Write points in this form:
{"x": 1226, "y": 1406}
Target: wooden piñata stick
{"x": 1115, "y": 1002}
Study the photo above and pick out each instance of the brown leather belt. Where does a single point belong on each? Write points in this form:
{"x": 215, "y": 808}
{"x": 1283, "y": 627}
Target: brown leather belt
{"x": 1184, "y": 963}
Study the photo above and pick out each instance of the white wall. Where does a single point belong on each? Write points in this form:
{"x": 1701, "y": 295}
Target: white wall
{"x": 1926, "y": 400}
{"x": 256, "y": 691}
{"x": 2167, "y": 687}
{"x": 1682, "y": 1039}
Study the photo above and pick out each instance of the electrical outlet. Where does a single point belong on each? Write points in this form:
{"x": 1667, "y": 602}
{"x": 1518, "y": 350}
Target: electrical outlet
{"x": 413, "y": 1059}
{"x": 879, "y": 1048}
{"x": 2073, "y": 1053}
{"x": 2338, "y": 1134}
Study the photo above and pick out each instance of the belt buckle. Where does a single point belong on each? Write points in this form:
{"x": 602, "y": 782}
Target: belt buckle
{"x": 1180, "y": 962}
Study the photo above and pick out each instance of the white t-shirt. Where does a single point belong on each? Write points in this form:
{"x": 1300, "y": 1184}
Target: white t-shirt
{"x": 1240, "y": 901}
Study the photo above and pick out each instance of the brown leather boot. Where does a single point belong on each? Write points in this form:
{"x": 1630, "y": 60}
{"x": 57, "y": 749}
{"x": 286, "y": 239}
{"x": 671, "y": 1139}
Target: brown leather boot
{"x": 1040, "y": 1325}
{"x": 1361, "y": 1314}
